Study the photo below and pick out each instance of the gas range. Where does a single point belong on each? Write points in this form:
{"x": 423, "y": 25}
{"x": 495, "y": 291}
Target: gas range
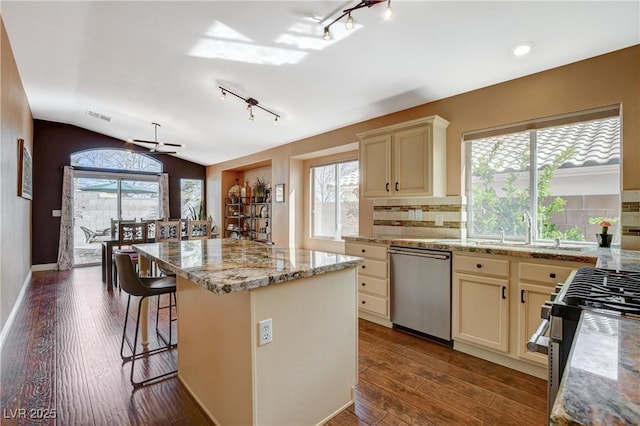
{"x": 616, "y": 292}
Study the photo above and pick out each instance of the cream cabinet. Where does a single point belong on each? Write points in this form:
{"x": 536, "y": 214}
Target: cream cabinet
{"x": 406, "y": 159}
{"x": 480, "y": 301}
{"x": 536, "y": 282}
{"x": 373, "y": 281}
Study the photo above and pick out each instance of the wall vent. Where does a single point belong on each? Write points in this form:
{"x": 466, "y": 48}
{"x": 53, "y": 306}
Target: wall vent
{"x": 99, "y": 116}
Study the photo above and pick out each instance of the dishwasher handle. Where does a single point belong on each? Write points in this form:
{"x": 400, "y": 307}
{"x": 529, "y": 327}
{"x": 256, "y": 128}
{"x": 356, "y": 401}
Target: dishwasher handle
{"x": 410, "y": 251}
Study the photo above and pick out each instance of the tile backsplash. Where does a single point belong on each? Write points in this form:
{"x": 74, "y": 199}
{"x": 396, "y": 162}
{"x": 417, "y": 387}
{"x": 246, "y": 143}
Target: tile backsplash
{"x": 426, "y": 217}
{"x": 446, "y": 217}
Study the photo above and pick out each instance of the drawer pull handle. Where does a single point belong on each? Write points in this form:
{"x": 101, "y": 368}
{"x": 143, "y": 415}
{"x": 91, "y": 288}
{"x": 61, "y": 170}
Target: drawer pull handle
{"x": 387, "y": 186}
{"x": 522, "y": 296}
{"x": 504, "y": 289}
{"x": 552, "y": 275}
{"x": 397, "y": 188}
{"x": 479, "y": 265}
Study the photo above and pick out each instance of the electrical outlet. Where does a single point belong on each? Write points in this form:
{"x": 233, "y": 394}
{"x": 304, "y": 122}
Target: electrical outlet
{"x": 411, "y": 214}
{"x": 265, "y": 332}
{"x": 440, "y": 219}
{"x": 418, "y": 214}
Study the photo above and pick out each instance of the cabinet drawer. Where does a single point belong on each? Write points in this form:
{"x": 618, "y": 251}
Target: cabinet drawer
{"x": 366, "y": 250}
{"x": 374, "y": 268}
{"x": 481, "y": 265}
{"x": 549, "y": 274}
{"x": 373, "y": 304}
{"x": 375, "y": 286}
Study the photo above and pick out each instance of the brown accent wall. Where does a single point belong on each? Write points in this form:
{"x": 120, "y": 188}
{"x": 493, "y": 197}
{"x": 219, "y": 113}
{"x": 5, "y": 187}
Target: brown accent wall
{"x": 15, "y": 212}
{"x": 53, "y": 145}
{"x": 613, "y": 78}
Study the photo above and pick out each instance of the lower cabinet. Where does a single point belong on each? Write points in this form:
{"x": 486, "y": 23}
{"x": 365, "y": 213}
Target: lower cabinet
{"x": 480, "y": 301}
{"x": 497, "y": 301}
{"x": 373, "y": 282}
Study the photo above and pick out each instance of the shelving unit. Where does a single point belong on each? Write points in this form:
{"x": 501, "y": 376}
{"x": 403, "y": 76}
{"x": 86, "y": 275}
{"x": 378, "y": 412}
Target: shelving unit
{"x": 245, "y": 218}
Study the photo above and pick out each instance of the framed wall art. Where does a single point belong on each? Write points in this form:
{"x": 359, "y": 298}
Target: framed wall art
{"x": 279, "y": 192}
{"x": 25, "y": 171}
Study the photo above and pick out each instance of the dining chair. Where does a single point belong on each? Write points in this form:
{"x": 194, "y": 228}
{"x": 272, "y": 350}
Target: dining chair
{"x": 143, "y": 288}
{"x": 168, "y": 230}
{"x": 129, "y": 233}
{"x": 199, "y": 230}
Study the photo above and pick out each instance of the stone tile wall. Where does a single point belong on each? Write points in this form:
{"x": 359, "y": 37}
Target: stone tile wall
{"x": 630, "y": 220}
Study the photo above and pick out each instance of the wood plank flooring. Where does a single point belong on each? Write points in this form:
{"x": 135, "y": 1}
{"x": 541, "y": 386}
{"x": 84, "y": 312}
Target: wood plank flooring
{"x": 61, "y": 360}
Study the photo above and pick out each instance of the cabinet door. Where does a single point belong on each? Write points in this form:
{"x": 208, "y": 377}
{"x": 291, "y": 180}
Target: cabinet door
{"x": 481, "y": 311}
{"x": 531, "y": 299}
{"x": 375, "y": 166}
{"x": 412, "y": 171}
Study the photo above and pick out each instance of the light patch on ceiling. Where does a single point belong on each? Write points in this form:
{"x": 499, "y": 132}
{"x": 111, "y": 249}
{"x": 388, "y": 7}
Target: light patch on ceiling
{"x": 223, "y": 42}
{"x": 248, "y": 53}
{"x": 220, "y": 30}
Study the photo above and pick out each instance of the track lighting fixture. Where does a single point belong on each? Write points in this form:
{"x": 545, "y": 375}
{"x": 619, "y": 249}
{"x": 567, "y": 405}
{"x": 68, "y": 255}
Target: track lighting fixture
{"x": 347, "y": 12}
{"x": 251, "y": 102}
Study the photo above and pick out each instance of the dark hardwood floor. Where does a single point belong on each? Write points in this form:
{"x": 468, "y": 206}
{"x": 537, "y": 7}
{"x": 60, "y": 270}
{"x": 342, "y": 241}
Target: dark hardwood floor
{"x": 61, "y": 360}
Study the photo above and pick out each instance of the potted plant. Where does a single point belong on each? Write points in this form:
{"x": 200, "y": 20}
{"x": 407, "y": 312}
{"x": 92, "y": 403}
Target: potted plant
{"x": 604, "y": 238}
{"x": 260, "y": 189}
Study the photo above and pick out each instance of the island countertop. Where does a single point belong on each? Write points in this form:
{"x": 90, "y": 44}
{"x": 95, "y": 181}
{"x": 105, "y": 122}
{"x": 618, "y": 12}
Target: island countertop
{"x": 228, "y": 265}
{"x": 601, "y": 382}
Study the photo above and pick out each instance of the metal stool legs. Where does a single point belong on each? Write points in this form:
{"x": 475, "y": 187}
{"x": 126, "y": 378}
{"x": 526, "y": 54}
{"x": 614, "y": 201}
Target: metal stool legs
{"x": 133, "y": 346}
{"x": 173, "y": 302}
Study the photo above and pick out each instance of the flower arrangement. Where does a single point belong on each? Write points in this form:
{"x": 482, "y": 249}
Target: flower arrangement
{"x": 603, "y": 222}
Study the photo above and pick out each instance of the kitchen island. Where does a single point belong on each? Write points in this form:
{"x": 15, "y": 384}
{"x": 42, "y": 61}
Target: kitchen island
{"x": 225, "y": 287}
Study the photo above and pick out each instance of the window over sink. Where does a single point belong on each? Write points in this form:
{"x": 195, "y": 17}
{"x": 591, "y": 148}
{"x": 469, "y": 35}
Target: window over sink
{"x": 560, "y": 171}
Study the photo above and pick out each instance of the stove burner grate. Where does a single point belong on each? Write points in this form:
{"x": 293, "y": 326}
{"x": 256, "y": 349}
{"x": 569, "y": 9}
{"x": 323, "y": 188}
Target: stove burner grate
{"x": 606, "y": 289}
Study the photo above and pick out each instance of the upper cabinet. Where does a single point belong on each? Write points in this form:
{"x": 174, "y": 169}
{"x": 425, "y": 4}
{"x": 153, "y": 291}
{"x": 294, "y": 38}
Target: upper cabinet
{"x": 404, "y": 160}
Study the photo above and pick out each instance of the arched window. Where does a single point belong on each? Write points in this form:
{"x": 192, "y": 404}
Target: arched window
{"x": 116, "y": 159}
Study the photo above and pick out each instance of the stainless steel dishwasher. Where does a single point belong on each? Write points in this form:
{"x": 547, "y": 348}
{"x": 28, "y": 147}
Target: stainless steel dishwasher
{"x": 421, "y": 291}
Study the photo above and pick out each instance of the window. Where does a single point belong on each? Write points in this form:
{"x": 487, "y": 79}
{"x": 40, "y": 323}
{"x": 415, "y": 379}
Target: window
{"x": 564, "y": 172}
{"x": 334, "y": 200}
{"x": 191, "y": 197}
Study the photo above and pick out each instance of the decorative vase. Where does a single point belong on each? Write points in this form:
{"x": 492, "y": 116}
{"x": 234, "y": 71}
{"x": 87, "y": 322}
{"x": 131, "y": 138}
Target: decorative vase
{"x": 604, "y": 240}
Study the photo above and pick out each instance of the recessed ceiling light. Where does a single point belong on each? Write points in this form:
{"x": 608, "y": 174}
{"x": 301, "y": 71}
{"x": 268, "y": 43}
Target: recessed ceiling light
{"x": 522, "y": 49}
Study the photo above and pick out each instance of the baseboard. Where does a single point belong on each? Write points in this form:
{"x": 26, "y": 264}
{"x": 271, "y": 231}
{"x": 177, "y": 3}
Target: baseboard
{"x": 12, "y": 316}
{"x": 44, "y": 267}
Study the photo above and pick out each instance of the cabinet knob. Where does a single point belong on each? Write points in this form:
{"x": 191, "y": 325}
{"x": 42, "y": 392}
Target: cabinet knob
{"x": 363, "y": 302}
{"x": 552, "y": 275}
{"x": 363, "y": 266}
{"x": 363, "y": 250}
{"x": 478, "y": 265}
{"x": 363, "y": 284}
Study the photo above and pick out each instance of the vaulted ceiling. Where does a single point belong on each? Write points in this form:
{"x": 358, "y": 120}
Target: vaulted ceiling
{"x": 140, "y": 62}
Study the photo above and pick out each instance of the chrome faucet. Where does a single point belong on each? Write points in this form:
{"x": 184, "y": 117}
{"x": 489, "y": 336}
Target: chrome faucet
{"x": 526, "y": 218}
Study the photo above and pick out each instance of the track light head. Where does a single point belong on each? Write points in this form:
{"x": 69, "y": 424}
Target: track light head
{"x": 327, "y": 34}
{"x": 349, "y": 24}
{"x": 388, "y": 12}
{"x": 223, "y": 94}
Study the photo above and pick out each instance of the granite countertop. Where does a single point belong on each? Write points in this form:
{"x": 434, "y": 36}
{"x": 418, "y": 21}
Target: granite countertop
{"x": 601, "y": 382}
{"x": 226, "y": 265}
{"x": 609, "y": 258}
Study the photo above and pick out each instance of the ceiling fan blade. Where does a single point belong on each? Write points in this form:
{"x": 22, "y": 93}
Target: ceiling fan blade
{"x": 143, "y": 141}
{"x": 160, "y": 152}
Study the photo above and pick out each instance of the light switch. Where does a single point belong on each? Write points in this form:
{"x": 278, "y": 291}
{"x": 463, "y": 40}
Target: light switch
{"x": 440, "y": 219}
{"x": 56, "y": 213}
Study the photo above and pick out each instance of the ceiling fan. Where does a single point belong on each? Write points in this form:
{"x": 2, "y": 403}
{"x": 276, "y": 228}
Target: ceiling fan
{"x": 157, "y": 144}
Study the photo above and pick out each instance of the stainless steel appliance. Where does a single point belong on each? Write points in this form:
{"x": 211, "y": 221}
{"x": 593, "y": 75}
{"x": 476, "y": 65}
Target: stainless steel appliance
{"x": 586, "y": 288}
{"x": 421, "y": 292}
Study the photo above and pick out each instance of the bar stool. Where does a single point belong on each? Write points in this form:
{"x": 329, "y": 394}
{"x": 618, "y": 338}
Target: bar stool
{"x": 133, "y": 285}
